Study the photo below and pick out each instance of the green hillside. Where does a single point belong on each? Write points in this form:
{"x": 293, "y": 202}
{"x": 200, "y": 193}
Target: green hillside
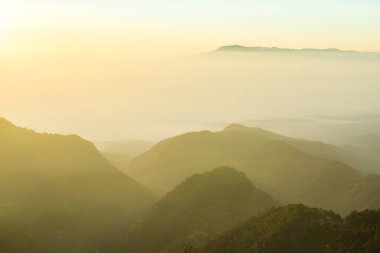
{"x": 14, "y": 239}
{"x": 297, "y": 228}
{"x": 61, "y": 190}
{"x": 199, "y": 208}
{"x": 291, "y": 170}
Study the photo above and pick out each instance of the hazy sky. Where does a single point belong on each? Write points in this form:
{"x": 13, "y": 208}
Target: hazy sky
{"x": 190, "y": 26}
{"x": 107, "y": 70}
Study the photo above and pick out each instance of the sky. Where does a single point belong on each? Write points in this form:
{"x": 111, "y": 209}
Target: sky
{"x": 192, "y": 26}
{"x": 109, "y": 69}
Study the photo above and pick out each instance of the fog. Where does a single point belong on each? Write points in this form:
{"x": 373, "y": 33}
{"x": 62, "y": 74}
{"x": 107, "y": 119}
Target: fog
{"x": 104, "y": 97}
{"x": 189, "y": 126}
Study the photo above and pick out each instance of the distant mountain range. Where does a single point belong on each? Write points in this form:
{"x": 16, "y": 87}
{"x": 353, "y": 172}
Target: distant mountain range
{"x": 239, "y": 48}
{"x": 291, "y": 170}
{"x": 120, "y": 153}
{"x": 130, "y": 148}
{"x": 59, "y": 194}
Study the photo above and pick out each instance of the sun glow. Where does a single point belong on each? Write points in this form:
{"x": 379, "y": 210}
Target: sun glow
{"x": 13, "y": 18}
{"x": 6, "y": 14}
{"x": 15, "y": 15}
{"x": 8, "y": 22}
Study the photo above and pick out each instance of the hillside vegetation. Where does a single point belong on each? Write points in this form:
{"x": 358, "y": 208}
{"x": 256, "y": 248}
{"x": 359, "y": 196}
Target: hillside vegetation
{"x": 297, "y": 228}
{"x": 63, "y": 192}
{"x": 201, "y": 207}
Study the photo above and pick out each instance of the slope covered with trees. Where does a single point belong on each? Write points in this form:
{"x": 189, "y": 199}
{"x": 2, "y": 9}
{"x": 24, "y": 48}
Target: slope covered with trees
{"x": 14, "y": 239}
{"x": 201, "y": 207}
{"x": 297, "y": 228}
{"x": 63, "y": 192}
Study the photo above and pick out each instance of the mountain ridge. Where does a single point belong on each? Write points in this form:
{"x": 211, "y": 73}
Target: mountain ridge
{"x": 240, "y": 48}
{"x": 287, "y": 168}
{"x": 52, "y": 182}
{"x": 297, "y": 228}
{"x": 200, "y": 207}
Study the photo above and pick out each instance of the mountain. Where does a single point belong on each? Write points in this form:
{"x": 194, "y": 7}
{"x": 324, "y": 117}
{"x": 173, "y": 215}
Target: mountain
{"x": 61, "y": 190}
{"x": 291, "y": 170}
{"x": 14, "y": 239}
{"x": 297, "y": 228}
{"x": 239, "y": 48}
{"x": 120, "y": 153}
{"x": 197, "y": 209}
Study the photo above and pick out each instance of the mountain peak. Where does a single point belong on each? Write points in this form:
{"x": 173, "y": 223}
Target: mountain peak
{"x": 200, "y": 207}
{"x": 238, "y": 127}
{"x": 220, "y": 176}
{"x": 223, "y": 170}
{"x": 242, "y": 128}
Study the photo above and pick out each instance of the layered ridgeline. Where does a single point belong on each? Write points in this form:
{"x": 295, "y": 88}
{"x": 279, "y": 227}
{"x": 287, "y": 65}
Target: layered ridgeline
{"x": 297, "y": 228}
{"x": 62, "y": 191}
{"x": 198, "y": 209}
{"x": 291, "y": 170}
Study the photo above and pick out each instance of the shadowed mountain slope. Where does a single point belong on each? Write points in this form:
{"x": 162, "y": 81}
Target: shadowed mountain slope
{"x": 14, "y": 239}
{"x": 61, "y": 190}
{"x": 199, "y": 208}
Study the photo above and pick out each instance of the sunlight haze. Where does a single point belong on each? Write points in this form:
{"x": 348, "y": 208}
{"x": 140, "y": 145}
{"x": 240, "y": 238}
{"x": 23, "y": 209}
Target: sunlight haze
{"x": 199, "y": 126}
{"x": 65, "y": 65}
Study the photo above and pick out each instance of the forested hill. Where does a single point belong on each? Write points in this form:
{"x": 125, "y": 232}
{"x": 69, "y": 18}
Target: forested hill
{"x": 199, "y": 208}
{"x": 63, "y": 192}
{"x": 297, "y": 228}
